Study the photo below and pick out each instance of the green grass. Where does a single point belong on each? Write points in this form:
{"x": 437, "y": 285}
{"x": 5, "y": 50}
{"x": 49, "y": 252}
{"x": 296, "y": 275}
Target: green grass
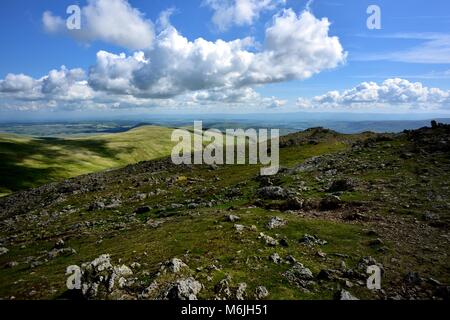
{"x": 27, "y": 162}
{"x": 208, "y": 245}
{"x": 201, "y": 237}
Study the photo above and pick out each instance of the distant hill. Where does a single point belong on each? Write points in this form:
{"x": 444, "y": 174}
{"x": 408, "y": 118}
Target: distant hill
{"x": 27, "y": 162}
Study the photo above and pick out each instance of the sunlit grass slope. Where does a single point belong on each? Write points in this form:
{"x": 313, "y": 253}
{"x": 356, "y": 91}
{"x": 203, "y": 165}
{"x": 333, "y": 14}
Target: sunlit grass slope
{"x": 27, "y": 162}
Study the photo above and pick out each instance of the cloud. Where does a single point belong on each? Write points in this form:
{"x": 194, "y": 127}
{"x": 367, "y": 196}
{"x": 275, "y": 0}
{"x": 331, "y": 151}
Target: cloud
{"x": 63, "y": 84}
{"x": 239, "y": 12}
{"x": 17, "y": 83}
{"x": 391, "y": 94}
{"x": 296, "y": 47}
{"x": 433, "y": 49}
{"x": 111, "y": 21}
{"x": 242, "y": 97}
{"x": 201, "y": 72}
{"x": 113, "y": 73}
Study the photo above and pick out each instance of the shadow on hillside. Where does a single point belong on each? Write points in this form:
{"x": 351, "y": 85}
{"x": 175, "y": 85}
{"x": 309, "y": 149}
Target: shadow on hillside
{"x": 16, "y": 175}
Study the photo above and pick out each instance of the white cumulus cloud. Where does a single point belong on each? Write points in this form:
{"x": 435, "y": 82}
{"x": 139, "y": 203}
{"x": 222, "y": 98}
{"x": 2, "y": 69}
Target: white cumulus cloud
{"x": 111, "y": 21}
{"x": 227, "y": 13}
{"x": 175, "y": 71}
{"x": 295, "y": 47}
{"x": 63, "y": 84}
{"x": 391, "y": 94}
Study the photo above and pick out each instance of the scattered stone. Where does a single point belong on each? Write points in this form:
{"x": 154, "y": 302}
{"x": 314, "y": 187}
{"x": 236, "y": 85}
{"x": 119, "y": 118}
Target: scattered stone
{"x": 434, "y": 281}
{"x": 61, "y": 252}
{"x": 120, "y": 273}
{"x": 268, "y": 240}
{"x": 427, "y": 216}
{"x": 406, "y": 155}
{"x": 142, "y": 210}
{"x": 312, "y": 240}
{"x": 3, "y": 251}
{"x": 154, "y": 223}
{"x": 291, "y": 259}
{"x": 325, "y": 274}
{"x": 345, "y": 295}
{"x": 100, "y": 276}
{"x": 275, "y": 257}
{"x": 342, "y": 185}
{"x": 276, "y": 222}
{"x": 348, "y": 284}
{"x": 174, "y": 265}
{"x": 95, "y": 276}
{"x": 299, "y": 275}
{"x": 413, "y": 278}
{"x": 11, "y": 264}
{"x": 35, "y": 264}
{"x": 184, "y": 289}
{"x": 98, "y": 205}
{"x": 293, "y": 203}
{"x": 284, "y": 243}
{"x": 368, "y": 261}
{"x": 272, "y": 193}
{"x": 135, "y": 265}
{"x": 193, "y": 205}
{"x": 59, "y": 244}
{"x": 222, "y": 289}
{"x": 239, "y": 227}
{"x": 115, "y": 203}
{"x": 261, "y": 292}
{"x": 232, "y": 218}
{"x": 375, "y": 242}
{"x": 240, "y": 291}
{"x": 321, "y": 254}
{"x": 331, "y": 202}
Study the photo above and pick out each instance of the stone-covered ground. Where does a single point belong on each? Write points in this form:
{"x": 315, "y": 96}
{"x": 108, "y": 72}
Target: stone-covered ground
{"x": 158, "y": 231}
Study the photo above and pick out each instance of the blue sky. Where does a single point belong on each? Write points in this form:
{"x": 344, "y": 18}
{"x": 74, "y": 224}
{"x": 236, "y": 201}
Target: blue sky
{"x": 413, "y": 46}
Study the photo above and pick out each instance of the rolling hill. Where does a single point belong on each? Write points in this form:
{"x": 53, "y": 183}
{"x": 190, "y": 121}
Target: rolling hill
{"x": 155, "y": 230}
{"x": 27, "y": 162}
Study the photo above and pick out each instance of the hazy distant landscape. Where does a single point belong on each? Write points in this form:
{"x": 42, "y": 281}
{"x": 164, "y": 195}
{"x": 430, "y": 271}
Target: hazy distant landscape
{"x": 286, "y": 124}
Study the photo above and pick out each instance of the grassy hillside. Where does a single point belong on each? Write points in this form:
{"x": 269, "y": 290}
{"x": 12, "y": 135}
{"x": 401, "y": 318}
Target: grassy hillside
{"x": 27, "y": 162}
{"x": 358, "y": 200}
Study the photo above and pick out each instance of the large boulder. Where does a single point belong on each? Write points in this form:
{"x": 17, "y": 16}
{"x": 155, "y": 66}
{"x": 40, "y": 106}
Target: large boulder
{"x": 183, "y": 289}
{"x": 272, "y": 193}
{"x": 299, "y": 275}
{"x": 100, "y": 277}
{"x": 174, "y": 265}
{"x": 342, "y": 185}
{"x": 345, "y": 295}
{"x": 312, "y": 240}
